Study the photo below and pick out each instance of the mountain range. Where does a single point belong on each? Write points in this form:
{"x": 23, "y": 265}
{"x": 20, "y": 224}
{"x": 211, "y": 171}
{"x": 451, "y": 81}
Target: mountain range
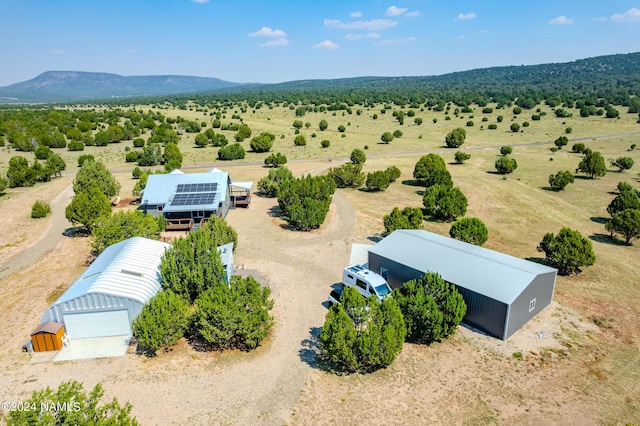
{"x": 610, "y": 73}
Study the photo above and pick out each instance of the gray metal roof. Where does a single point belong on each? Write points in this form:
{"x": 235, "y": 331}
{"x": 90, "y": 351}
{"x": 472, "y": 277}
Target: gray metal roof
{"x": 128, "y": 269}
{"x": 161, "y": 188}
{"x": 496, "y": 275}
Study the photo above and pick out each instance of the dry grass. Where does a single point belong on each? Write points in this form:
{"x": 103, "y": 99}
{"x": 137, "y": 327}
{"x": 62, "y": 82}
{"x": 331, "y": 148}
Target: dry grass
{"x": 588, "y": 373}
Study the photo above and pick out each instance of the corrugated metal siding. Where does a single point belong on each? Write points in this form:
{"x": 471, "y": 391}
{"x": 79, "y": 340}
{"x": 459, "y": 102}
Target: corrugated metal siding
{"x": 483, "y": 313}
{"x": 125, "y": 276}
{"x": 493, "y": 274}
{"x": 541, "y": 288}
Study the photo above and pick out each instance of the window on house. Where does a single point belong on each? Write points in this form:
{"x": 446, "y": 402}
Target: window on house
{"x": 532, "y": 305}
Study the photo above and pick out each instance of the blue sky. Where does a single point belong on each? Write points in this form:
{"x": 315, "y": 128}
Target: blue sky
{"x": 272, "y": 41}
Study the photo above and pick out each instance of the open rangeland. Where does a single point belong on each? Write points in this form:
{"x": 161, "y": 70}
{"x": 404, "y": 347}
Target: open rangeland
{"x": 576, "y": 363}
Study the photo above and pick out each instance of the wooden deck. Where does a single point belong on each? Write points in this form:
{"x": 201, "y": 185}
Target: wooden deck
{"x": 178, "y": 224}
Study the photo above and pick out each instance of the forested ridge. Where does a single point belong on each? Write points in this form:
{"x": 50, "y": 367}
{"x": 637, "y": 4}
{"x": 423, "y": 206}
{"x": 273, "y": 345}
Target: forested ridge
{"x": 614, "y": 78}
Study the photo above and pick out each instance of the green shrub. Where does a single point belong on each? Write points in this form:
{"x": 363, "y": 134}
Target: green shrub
{"x": 461, "y": 157}
{"x": 506, "y": 165}
{"x": 432, "y": 308}
{"x": 470, "y": 230}
{"x": 358, "y": 156}
{"x": 443, "y": 202}
{"x": 407, "y": 218}
{"x": 393, "y": 172}
{"x": 378, "y": 180}
{"x": 138, "y": 142}
{"x": 300, "y": 140}
{"x": 40, "y": 209}
{"x": 161, "y": 323}
{"x": 325, "y": 143}
{"x": 506, "y": 150}
{"x": 231, "y": 152}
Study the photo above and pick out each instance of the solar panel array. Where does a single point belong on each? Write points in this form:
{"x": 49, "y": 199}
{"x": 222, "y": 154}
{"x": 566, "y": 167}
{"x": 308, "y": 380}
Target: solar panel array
{"x": 197, "y": 187}
{"x": 193, "y": 199}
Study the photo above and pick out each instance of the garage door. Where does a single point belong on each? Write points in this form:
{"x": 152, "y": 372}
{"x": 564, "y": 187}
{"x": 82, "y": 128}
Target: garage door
{"x": 97, "y": 324}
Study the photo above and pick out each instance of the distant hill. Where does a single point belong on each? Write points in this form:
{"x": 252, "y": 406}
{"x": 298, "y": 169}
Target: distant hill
{"x": 73, "y": 86}
{"x": 612, "y": 76}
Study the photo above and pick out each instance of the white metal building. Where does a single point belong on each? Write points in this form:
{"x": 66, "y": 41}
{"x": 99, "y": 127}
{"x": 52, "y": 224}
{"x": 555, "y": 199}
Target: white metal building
{"x": 109, "y": 295}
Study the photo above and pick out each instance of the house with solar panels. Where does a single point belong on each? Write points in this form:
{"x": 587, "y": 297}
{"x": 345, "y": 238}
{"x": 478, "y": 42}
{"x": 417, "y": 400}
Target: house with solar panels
{"x": 502, "y": 292}
{"x": 188, "y": 199}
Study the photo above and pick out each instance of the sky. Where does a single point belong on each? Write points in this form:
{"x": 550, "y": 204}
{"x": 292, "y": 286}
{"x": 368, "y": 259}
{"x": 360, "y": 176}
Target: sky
{"x": 271, "y": 41}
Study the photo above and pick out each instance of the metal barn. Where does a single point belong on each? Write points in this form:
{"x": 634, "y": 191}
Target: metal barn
{"x": 108, "y": 296}
{"x": 502, "y": 292}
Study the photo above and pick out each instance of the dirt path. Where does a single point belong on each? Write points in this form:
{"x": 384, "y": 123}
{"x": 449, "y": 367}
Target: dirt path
{"x": 48, "y": 242}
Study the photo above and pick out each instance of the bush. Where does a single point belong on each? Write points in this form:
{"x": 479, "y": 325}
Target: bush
{"x": 325, "y": 143}
{"x": 506, "y": 165}
{"x": 568, "y": 130}
{"x": 499, "y": 118}
{"x": 42, "y": 152}
{"x": 270, "y": 184}
{"x": 305, "y": 202}
{"x": 347, "y": 176}
{"x": 461, "y": 157}
{"x": 360, "y": 334}
{"x": 300, "y": 140}
{"x": 626, "y": 199}
{"x": 192, "y": 265}
{"x": 231, "y": 152}
{"x": 578, "y": 148}
{"x": 275, "y": 160}
{"x": 136, "y": 172}
{"x": 323, "y": 125}
{"x": 506, "y": 150}
{"x": 492, "y": 126}
{"x": 623, "y": 163}
{"x": 75, "y": 146}
{"x": 470, "y": 230}
{"x": 358, "y": 156}
{"x": 515, "y": 127}
{"x": 560, "y": 180}
{"x": 122, "y": 225}
{"x": 397, "y": 134}
{"x": 394, "y": 173}
{"x": 625, "y": 223}
{"x": 243, "y": 132}
{"x": 94, "y": 174}
{"x": 161, "y": 323}
{"x": 83, "y": 158}
{"x": 386, "y": 137}
{"x": 525, "y": 124}
{"x": 40, "y": 209}
{"x": 561, "y": 141}
{"x": 407, "y": 218}
{"x": 378, "y": 180}
{"x": 235, "y": 316}
{"x": 444, "y": 202}
{"x": 132, "y": 156}
{"x": 455, "y": 138}
{"x": 86, "y": 208}
{"x": 341, "y": 128}
{"x": 138, "y": 142}
{"x": 470, "y": 123}
{"x": 431, "y": 170}
{"x": 262, "y": 142}
{"x": 432, "y": 308}
{"x": 81, "y": 408}
{"x": 568, "y": 251}
{"x": 593, "y": 164}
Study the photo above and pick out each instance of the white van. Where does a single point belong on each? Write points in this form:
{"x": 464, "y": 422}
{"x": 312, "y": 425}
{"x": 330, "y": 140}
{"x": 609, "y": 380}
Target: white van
{"x": 367, "y": 282}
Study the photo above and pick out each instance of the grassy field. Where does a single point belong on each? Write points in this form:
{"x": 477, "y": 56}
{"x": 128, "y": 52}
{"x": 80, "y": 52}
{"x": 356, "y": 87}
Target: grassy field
{"x": 601, "y": 370}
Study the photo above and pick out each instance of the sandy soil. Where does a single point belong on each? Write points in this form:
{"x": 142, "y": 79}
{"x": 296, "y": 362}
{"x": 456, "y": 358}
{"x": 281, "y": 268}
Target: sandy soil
{"x": 281, "y": 383}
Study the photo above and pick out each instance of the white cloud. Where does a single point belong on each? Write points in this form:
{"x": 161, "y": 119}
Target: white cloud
{"x": 460, "y": 37}
{"x": 276, "y": 43}
{"x": 483, "y": 32}
{"x": 356, "y": 14}
{"x": 268, "y": 32}
{"x": 413, "y": 13}
{"x": 373, "y": 25}
{"x": 132, "y": 51}
{"x": 56, "y": 51}
{"x": 630, "y": 15}
{"x": 466, "y": 16}
{"x": 395, "y": 11}
{"x": 561, "y": 20}
{"x": 327, "y": 44}
{"x": 351, "y": 36}
{"x": 395, "y": 41}
{"x": 200, "y": 1}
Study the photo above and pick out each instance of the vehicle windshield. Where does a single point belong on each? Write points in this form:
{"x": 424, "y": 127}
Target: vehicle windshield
{"x": 383, "y": 289}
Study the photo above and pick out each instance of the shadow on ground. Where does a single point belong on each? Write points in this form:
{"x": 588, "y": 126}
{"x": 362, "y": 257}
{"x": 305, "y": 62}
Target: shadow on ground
{"x": 606, "y": 239}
